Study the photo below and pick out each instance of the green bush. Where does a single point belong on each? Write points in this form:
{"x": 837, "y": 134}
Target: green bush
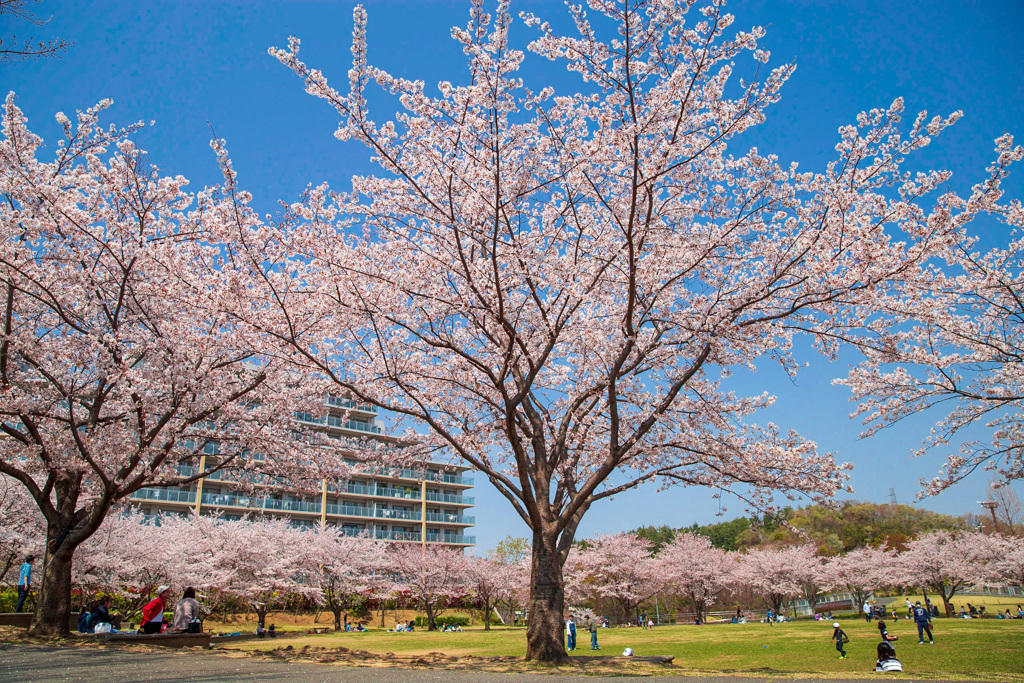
{"x": 441, "y": 622}
{"x": 8, "y": 599}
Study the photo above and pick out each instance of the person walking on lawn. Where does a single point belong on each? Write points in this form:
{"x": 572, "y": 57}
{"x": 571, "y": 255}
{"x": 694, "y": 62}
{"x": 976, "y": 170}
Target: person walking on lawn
{"x": 841, "y": 639}
{"x": 592, "y": 627}
{"x": 924, "y": 622}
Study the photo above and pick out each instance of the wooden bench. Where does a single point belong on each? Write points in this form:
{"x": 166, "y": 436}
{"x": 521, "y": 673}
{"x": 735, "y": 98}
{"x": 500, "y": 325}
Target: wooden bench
{"x": 161, "y": 639}
{"x": 24, "y": 620}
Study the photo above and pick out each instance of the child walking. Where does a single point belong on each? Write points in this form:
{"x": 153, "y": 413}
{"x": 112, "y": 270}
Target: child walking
{"x": 841, "y": 639}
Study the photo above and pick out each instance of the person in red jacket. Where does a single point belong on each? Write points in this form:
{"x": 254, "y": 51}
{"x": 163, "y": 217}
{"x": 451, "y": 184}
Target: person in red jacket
{"x": 153, "y": 612}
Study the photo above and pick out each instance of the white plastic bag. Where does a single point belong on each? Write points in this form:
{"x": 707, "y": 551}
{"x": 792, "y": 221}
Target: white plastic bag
{"x": 102, "y": 627}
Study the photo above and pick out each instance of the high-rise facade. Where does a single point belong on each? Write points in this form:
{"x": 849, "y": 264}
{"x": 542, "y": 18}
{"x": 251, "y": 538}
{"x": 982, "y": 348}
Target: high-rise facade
{"x": 424, "y": 505}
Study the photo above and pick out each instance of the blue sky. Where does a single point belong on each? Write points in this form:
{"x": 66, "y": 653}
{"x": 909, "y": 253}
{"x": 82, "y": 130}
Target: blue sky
{"x": 192, "y": 65}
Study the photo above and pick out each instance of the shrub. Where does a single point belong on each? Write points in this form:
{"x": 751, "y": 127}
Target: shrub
{"x": 441, "y": 622}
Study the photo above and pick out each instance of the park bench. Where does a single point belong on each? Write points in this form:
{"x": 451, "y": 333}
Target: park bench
{"x": 24, "y": 620}
{"x": 160, "y": 639}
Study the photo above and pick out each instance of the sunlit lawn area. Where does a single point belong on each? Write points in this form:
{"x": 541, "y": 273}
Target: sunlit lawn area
{"x": 990, "y": 649}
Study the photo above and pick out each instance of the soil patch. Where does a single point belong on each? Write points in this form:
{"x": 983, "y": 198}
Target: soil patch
{"x": 456, "y": 661}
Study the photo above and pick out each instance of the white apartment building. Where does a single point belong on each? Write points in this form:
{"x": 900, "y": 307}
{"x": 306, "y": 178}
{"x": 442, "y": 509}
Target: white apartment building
{"x": 427, "y": 505}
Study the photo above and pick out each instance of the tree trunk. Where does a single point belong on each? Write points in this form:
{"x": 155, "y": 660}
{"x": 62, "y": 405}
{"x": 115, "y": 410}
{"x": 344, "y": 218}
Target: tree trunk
{"x": 337, "y": 617}
{"x": 487, "y": 615}
{"x": 428, "y": 609}
{"x": 544, "y": 630}
{"x": 53, "y": 597}
{"x": 947, "y": 600}
{"x": 261, "y": 614}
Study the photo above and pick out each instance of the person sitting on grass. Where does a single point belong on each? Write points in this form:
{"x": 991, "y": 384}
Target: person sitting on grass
{"x": 100, "y": 614}
{"x": 83, "y": 618}
{"x": 187, "y": 611}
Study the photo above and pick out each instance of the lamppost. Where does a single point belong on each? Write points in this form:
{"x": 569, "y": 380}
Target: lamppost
{"x": 991, "y": 506}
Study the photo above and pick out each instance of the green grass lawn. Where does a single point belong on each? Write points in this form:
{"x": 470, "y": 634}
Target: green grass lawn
{"x": 988, "y": 649}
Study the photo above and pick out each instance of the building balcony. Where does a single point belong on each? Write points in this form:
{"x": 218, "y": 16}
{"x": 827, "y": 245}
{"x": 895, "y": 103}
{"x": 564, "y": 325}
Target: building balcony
{"x": 368, "y": 512}
{"x": 233, "y": 500}
{"x": 165, "y": 495}
{"x": 442, "y": 477}
{"x": 348, "y": 404}
{"x": 446, "y": 518}
{"x": 381, "y": 491}
{"x": 450, "y": 498}
{"x": 434, "y": 536}
{"x": 395, "y": 535}
{"x": 337, "y": 421}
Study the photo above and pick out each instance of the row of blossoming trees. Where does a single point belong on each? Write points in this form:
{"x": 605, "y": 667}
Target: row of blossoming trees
{"x": 267, "y": 564}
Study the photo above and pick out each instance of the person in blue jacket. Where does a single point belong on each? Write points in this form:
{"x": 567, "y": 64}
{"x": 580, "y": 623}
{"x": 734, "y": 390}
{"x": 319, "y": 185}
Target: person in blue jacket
{"x": 24, "y": 581}
{"x": 924, "y": 622}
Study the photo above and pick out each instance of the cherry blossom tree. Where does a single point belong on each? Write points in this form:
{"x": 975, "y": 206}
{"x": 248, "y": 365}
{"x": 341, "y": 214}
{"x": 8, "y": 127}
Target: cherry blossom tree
{"x": 493, "y": 582}
{"x": 432, "y": 576}
{"x": 777, "y": 575}
{"x": 560, "y": 285}
{"x": 348, "y": 569}
{"x": 116, "y": 364}
{"x": 130, "y": 555}
{"x": 23, "y": 528}
{"x": 619, "y": 568}
{"x": 956, "y": 339}
{"x": 861, "y": 571}
{"x": 259, "y": 562}
{"x": 697, "y": 570}
{"x": 513, "y": 553}
{"x": 942, "y": 562}
{"x": 1008, "y": 562}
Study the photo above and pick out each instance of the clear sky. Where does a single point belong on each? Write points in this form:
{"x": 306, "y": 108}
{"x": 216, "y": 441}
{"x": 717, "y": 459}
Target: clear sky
{"x": 188, "y": 66}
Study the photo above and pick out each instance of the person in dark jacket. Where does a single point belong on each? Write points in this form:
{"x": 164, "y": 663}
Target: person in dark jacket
{"x": 83, "y": 618}
{"x": 100, "y": 614}
{"x": 924, "y": 622}
{"x": 841, "y": 639}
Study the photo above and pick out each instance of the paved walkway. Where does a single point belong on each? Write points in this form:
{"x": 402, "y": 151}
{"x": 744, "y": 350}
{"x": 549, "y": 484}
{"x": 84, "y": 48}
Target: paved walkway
{"x": 39, "y": 664}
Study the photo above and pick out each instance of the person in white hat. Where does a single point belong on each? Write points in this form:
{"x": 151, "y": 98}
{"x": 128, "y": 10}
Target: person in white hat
{"x": 153, "y": 612}
{"x": 841, "y": 639}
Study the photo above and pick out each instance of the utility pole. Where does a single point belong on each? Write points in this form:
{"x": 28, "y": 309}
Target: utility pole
{"x": 991, "y": 506}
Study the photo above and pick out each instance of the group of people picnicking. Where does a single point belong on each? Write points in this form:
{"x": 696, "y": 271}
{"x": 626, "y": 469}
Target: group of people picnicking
{"x": 188, "y": 613}
{"x": 969, "y": 611}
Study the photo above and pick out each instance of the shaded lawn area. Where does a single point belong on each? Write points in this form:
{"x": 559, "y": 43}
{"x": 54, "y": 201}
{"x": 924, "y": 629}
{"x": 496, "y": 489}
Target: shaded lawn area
{"x": 988, "y": 649}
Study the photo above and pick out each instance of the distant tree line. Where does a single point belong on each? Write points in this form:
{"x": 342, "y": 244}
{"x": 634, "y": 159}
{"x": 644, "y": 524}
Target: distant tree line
{"x": 834, "y": 530}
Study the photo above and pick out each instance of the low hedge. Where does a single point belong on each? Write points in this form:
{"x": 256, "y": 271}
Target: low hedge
{"x": 441, "y": 622}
